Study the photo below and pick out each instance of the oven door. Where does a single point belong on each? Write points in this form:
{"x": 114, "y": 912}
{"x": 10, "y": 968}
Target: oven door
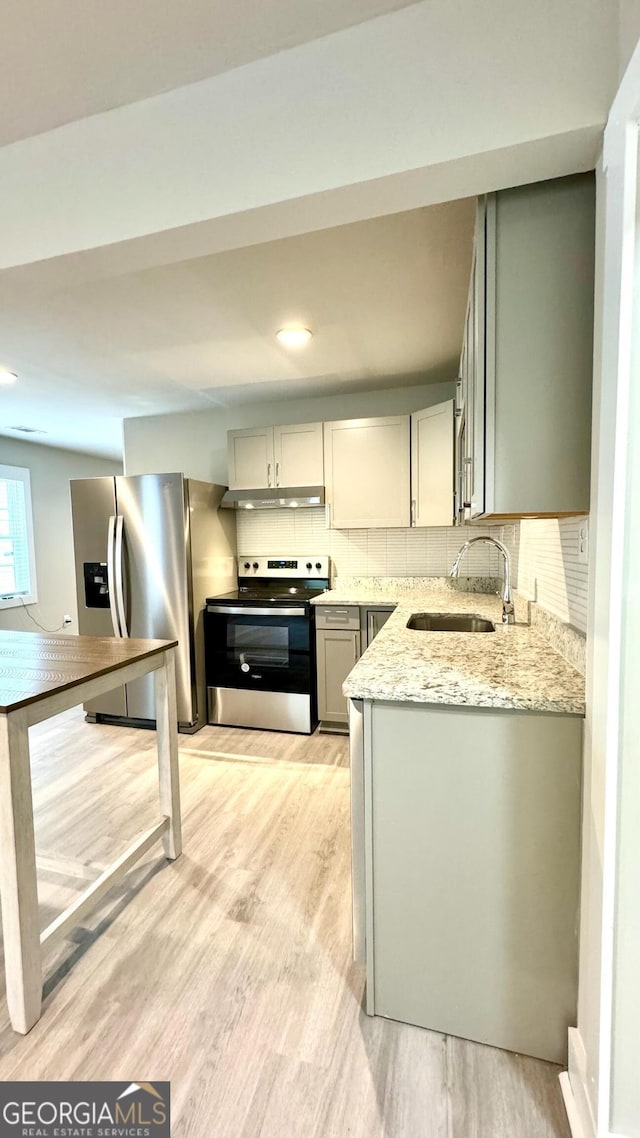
{"x": 265, "y": 649}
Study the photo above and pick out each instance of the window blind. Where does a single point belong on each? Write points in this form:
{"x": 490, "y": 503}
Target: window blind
{"x": 15, "y": 573}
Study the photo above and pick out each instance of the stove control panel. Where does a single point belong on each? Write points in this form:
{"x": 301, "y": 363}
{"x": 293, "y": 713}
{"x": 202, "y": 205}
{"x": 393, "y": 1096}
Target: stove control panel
{"x": 303, "y": 565}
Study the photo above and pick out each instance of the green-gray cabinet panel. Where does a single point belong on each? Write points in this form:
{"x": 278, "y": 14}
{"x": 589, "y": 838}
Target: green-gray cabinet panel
{"x": 473, "y": 823}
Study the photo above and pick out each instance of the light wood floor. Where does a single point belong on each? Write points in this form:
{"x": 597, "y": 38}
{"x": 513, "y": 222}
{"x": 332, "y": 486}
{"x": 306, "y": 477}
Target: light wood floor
{"x": 230, "y": 972}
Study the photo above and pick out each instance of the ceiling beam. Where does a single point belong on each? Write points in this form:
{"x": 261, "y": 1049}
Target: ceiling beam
{"x": 429, "y": 102}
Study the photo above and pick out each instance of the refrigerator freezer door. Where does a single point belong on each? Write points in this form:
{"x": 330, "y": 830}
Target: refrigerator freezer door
{"x": 93, "y": 504}
{"x": 156, "y": 581}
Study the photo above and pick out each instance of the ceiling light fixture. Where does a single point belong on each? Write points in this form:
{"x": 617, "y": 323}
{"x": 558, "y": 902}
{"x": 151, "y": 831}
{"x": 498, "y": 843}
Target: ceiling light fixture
{"x": 294, "y": 337}
{"x": 7, "y": 376}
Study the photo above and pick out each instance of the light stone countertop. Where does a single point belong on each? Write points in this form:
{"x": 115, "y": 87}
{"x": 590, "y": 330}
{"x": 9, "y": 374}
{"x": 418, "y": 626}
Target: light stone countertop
{"x": 512, "y": 668}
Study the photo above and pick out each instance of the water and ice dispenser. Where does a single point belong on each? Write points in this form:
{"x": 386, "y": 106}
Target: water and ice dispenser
{"x": 96, "y": 585}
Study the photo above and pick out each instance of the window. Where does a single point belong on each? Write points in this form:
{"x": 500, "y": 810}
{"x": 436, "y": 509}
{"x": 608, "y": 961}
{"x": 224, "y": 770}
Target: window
{"x": 17, "y": 554}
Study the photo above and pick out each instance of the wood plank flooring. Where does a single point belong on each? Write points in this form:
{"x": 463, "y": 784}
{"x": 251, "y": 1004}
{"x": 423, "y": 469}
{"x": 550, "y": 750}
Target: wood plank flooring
{"x": 229, "y": 972}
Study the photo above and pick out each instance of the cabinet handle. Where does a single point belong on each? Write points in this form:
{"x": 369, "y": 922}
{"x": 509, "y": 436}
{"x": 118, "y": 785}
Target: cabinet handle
{"x": 413, "y": 511}
{"x": 277, "y": 473}
{"x": 268, "y": 474}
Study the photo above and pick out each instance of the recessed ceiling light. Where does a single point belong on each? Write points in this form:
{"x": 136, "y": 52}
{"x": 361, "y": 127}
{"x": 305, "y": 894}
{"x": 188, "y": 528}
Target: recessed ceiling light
{"x": 294, "y": 337}
{"x": 7, "y": 376}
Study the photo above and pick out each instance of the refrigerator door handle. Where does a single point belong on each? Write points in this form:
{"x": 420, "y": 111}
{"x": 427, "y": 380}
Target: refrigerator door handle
{"x": 119, "y": 575}
{"x": 111, "y": 575}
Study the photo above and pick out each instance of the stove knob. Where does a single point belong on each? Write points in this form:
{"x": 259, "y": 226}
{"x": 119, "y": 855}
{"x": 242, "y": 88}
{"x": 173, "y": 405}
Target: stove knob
{"x": 309, "y": 565}
{"x": 318, "y": 565}
{"x": 256, "y": 565}
{"x": 247, "y": 565}
{"x": 245, "y": 668}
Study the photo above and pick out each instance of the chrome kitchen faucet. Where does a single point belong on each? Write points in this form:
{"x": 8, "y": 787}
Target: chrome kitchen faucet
{"x": 508, "y": 614}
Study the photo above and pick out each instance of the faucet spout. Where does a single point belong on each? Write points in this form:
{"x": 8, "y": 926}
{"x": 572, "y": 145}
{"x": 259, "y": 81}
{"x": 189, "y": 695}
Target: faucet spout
{"x": 508, "y": 610}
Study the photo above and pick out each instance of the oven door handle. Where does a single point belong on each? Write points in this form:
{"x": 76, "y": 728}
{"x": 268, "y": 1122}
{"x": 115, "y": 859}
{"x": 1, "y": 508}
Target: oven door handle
{"x": 245, "y": 610}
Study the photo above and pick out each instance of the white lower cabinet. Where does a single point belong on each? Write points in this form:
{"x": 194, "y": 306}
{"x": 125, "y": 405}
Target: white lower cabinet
{"x": 466, "y": 882}
{"x": 337, "y": 650}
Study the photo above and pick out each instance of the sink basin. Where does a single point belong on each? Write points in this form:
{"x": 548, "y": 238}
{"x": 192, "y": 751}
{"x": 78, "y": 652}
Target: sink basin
{"x": 449, "y": 622}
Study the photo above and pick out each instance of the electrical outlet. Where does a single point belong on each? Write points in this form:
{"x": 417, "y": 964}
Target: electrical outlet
{"x": 66, "y": 620}
{"x": 583, "y": 542}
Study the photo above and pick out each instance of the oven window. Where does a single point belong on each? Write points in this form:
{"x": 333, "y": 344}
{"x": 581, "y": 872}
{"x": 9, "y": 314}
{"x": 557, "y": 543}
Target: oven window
{"x": 258, "y": 645}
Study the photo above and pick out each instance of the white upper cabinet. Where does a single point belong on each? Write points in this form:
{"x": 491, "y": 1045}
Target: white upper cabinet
{"x": 298, "y": 455}
{"x": 251, "y": 464}
{"x": 432, "y": 501}
{"x": 524, "y": 394}
{"x": 367, "y": 472}
{"x": 262, "y": 457}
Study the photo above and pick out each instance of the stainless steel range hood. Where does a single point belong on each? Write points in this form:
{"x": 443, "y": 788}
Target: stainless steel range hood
{"x": 274, "y": 498}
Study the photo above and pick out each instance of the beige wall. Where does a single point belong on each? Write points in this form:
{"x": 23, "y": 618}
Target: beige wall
{"x": 629, "y": 31}
{"x": 196, "y": 442}
{"x": 50, "y": 470}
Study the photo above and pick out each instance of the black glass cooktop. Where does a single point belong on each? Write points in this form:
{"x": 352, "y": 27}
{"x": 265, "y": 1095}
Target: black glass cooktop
{"x": 274, "y": 595}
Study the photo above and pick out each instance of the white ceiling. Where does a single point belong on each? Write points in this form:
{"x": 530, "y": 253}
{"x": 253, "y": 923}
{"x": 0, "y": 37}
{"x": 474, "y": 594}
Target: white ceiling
{"x": 97, "y": 322}
{"x": 385, "y": 299}
{"x": 65, "y": 59}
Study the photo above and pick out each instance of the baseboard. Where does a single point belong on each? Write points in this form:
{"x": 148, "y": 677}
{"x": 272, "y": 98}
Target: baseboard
{"x": 570, "y": 1106}
{"x": 574, "y": 1089}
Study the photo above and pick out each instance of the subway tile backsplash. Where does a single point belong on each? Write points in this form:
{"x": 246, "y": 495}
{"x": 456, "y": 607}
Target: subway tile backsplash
{"x": 544, "y": 553}
{"x": 550, "y": 571}
{"x": 372, "y": 553}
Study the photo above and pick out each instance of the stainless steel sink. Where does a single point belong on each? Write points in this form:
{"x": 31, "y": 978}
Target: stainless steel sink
{"x": 449, "y": 622}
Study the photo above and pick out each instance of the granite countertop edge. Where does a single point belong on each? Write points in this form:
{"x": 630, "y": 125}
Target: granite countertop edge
{"x": 514, "y": 668}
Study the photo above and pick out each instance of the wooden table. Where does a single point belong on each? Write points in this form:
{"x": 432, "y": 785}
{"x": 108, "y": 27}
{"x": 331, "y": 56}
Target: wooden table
{"x": 41, "y": 676}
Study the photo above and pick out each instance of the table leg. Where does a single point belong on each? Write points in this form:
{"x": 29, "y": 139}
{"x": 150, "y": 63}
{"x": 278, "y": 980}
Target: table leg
{"x": 18, "y": 882}
{"x": 168, "y": 770}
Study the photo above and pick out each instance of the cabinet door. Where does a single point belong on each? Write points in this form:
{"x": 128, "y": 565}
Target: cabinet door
{"x": 477, "y": 436}
{"x": 298, "y": 455}
{"x": 474, "y": 904}
{"x": 367, "y": 472}
{"x": 471, "y": 397}
{"x": 251, "y": 464}
{"x": 461, "y": 422}
{"x": 375, "y": 620}
{"x": 337, "y": 651}
{"x": 432, "y": 474}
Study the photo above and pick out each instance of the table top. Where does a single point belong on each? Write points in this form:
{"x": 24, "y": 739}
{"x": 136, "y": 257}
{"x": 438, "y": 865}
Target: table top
{"x": 34, "y": 665}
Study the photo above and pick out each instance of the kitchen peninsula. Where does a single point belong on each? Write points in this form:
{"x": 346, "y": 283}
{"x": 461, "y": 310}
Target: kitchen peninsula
{"x": 466, "y": 780}
{"x": 41, "y": 676}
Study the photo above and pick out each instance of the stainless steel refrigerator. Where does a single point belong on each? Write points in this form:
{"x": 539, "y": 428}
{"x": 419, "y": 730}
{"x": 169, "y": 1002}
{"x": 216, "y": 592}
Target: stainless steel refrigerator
{"x": 149, "y": 549}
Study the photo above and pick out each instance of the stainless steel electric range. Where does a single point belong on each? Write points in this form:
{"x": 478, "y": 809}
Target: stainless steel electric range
{"x": 260, "y": 645}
